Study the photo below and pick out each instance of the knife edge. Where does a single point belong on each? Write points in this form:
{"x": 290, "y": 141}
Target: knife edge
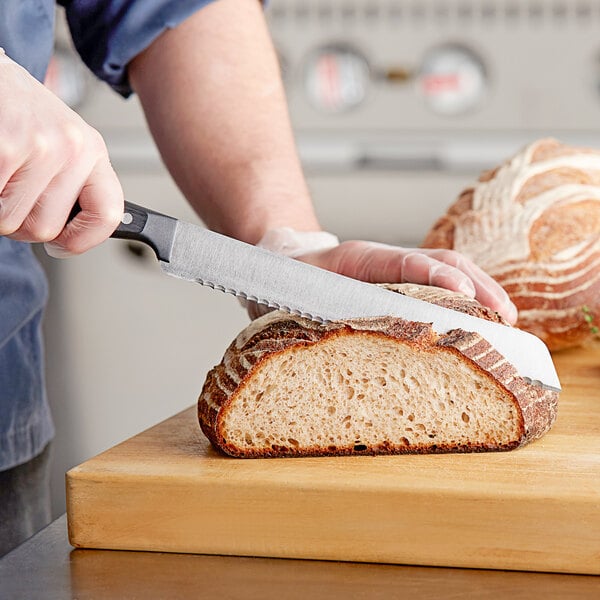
{"x": 197, "y": 254}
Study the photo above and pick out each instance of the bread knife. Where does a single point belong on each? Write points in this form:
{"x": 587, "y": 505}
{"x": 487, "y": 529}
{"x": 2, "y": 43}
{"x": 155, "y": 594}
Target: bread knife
{"x": 197, "y": 254}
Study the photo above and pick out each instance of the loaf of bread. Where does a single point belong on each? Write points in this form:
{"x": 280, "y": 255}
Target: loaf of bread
{"x": 288, "y": 386}
{"x": 534, "y": 225}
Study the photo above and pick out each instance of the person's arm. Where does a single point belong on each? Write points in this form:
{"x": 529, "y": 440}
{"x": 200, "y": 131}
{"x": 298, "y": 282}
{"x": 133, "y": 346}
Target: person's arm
{"x": 213, "y": 97}
{"x": 214, "y": 100}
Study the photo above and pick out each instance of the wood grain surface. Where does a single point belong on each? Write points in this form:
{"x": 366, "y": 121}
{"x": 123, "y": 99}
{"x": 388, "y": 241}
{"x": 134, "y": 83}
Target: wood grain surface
{"x": 534, "y": 509}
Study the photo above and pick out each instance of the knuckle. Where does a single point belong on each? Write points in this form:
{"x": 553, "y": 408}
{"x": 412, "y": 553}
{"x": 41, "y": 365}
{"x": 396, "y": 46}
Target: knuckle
{"x": 448, "y": 256}
{"x": 40, "y": 144}
{"x": 113, "y": 216}
{"x": 11, "y": 218}
{"x": 415, "y": 256}
{"x": 111, "y": 210}
{"x": 40, "y": 231}
{"x": 445, "y": 253}
{"x": 106, "y": 215}
{"x": 74, "y": 244}
{"x": 354, "y": 246}
{"x": 73, "y": 139}
{"x": 350, "y": 244}
{"x": 347, "y": 254}
{"x": 443, "y": 269}
{"x": 8, "y": 155}
{"x": 8, "y": 226}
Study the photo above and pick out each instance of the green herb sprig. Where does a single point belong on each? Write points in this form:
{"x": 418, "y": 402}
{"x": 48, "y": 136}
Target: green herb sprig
{"x": 589, "y": 319}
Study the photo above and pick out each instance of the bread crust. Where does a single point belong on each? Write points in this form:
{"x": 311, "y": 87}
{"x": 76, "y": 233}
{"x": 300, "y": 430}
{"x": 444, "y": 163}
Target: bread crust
{"x": 279, "y": 332}
{"x": 555, "y": 281}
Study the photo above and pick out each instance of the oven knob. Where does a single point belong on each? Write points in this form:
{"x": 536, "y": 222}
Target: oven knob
{"x": 336, "y": 79}
{"x": 452, "y": 80}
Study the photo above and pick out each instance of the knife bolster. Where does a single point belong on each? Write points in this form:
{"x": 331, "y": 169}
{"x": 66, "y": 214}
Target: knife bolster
{"x": 149, "y": 227}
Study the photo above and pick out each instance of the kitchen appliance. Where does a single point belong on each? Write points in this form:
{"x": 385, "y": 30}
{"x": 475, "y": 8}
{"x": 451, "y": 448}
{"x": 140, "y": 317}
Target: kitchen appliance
{"x": 531, "y": 509}
{"x": 396, "y": 104}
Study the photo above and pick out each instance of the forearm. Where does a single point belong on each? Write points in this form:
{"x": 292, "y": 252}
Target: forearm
{"x": 213, "y": 97}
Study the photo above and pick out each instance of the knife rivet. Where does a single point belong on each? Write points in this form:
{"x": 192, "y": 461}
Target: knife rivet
{"x": 127, "y": 219}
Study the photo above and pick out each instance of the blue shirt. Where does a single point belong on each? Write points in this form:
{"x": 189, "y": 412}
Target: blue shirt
{"x": 107, "y": 35}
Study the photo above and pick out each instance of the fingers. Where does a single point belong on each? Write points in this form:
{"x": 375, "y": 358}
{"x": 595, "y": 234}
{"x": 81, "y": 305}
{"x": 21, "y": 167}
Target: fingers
{"x": 487, "y": 290}
{"x": 381, "y": 263}
{"x": 376, "y": 263}
{"x": 50, "y": 158}
{"x": 423, "y": 269}
{"x": 21, "y": 189}
{"x": 35, "y": 208}
{"x": 101, "y": 201}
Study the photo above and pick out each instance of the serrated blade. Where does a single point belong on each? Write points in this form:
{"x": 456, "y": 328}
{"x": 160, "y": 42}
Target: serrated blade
{"x": 280, "y": 282}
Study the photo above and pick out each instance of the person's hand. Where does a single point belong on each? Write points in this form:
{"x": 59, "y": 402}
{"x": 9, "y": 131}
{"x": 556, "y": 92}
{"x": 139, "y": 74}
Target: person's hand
{"x": 381, "y": 263}
{"x": 49, "y": 159}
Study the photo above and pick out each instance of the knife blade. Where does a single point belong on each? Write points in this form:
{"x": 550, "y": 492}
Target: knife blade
{"x": 193, "y": 253}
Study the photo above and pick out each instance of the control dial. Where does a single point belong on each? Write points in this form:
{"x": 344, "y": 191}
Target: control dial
{"x": 452, "y": 80}
{"x": 336, "y": 79}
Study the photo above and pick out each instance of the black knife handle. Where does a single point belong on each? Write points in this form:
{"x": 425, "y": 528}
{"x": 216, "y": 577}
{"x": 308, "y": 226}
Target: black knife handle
{"x": 144, "y": 225}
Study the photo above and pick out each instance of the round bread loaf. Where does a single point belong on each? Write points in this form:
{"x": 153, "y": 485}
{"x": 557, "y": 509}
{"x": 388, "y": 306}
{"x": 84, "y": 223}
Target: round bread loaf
{"x": 534, "y": 225}
{"x": 288, "y": 386}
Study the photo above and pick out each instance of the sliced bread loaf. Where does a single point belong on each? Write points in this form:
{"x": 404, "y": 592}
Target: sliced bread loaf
{"x": 290, "y": 387}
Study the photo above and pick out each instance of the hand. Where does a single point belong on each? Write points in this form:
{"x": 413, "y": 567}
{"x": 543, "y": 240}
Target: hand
{"x": 49, "y": 159}
{"x": 380, "y": 263}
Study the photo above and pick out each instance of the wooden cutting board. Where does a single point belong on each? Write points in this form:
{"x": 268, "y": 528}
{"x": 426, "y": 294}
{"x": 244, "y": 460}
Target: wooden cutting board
{"x": 536, "y": 508}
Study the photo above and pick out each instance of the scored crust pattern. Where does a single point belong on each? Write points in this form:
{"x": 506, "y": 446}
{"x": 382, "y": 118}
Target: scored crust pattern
{"x": 534, "y": 225}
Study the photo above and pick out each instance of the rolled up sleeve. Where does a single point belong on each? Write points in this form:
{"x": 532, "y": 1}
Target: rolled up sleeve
{"x": 108, "y": 34}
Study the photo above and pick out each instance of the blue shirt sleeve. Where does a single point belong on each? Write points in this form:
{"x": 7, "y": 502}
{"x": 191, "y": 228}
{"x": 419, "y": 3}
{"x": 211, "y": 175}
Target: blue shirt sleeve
{"x": 109, "y": 33}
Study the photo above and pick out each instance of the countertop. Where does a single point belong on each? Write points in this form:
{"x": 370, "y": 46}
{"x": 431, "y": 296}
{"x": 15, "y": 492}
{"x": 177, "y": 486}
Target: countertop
{"x": 47, "y": 567}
